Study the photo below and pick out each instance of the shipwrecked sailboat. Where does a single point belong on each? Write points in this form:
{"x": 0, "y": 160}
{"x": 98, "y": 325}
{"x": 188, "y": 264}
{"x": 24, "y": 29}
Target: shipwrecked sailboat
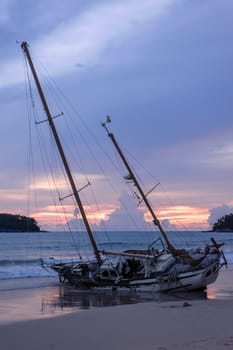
{"x": 160, "y": 267}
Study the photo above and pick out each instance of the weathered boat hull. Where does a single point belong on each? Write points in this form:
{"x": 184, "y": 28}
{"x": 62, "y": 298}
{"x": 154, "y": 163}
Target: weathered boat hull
{"x": 195, "y": 279}
{"x": 187, "y": 281}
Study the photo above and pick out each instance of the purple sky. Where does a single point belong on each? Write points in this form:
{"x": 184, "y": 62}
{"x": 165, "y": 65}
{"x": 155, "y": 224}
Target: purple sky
{"x": 161, "y": 69}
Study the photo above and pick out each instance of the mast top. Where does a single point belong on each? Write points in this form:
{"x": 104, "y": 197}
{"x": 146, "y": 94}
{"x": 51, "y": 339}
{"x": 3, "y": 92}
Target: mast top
{"x": 24, "y": 45}
{"x": 108, "y": 120}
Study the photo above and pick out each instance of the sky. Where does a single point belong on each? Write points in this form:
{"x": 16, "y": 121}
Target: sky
{"x": 161, "y": 69}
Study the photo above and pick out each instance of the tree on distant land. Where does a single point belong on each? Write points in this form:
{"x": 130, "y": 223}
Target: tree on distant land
{"x": 17, "y": 223}
{"x": 225, "y": 223}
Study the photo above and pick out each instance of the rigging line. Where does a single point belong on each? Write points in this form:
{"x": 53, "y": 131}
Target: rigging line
{"x": 57, "y": 193}
{"x": 43, "y": 155}
{"x": 164, "y": 190}
{"x": 140, "y": 179}
{"x": 177, "y": 221}
{"x": 70, "y": 130}
{"x": 31, "y": 170}
{"x": 55, "y": 95}
{"x": 61, "y": 153}
{"x": 134, "y": 170}
{"x": 102, "y": 222}
{"x": 94, "y": 198}
{"x": 58, "y": 89}
{"x": 73, "y": 240}
{"x": 76, "y": 113}
{"x": 80, "y": 162}
{"x": 115, "y": 191}
{"x": 55, "y": 179}
{"x": 46, "y": 158}
{"x": 119, "y": 168}
{"x": 27, "y": 107}
{"x": 74, "y": 158}
{"x": 74, "y": 243}
{"x": 49, "y": 83}
{"x": 65, "y": 98}
{"x": 93, "y": 136}
{"x": 54, "y": 192}
{"x": 142, "y": 166}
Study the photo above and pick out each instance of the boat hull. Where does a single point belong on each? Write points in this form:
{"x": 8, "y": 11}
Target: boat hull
{"x": 187, "y": 281}
{"x": 170, "y": 281}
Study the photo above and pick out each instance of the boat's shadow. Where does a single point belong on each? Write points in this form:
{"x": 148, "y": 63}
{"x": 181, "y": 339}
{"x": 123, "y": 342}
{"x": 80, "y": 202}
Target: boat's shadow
{"x": 70, "y": 297}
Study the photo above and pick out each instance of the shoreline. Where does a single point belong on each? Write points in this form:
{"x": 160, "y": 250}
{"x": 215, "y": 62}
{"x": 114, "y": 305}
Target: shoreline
{"x": 28, "y": 299}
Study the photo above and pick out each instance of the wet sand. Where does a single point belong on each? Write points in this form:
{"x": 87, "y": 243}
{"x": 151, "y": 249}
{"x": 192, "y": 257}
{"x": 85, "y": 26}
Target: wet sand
{"x": 152, "y": 325}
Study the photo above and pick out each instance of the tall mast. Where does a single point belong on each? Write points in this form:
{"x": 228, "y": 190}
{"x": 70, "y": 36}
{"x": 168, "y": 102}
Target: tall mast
{"x": 136, "y": 183}
{"x": 25, "y": 49}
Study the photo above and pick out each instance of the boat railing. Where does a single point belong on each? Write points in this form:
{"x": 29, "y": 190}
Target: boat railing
{"x": 152, "y": 246}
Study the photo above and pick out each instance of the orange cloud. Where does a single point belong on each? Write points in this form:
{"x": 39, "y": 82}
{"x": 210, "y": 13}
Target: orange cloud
{"x": 52, "y": 215}
{"x": 183, "y": 217}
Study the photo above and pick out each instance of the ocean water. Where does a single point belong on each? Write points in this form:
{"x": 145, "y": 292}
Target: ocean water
{"x": 22, "y": 254}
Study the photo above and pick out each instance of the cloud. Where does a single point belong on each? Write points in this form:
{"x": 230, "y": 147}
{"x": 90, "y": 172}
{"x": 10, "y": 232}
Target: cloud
{"x": 126, "y": 217}
{"x": 168, "y": 226}
{"x": 4, "y": 10}
{"x": 218, "y": 212}
{"x": 12, "y": 73}
{"x": 160, "y": 68}
{"x": 86, "y": 36}
{"x": 82, "y": 40}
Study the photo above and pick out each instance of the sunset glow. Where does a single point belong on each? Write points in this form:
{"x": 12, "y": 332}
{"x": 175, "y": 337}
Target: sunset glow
{"x": 51, "y": 215}
{"x": 184, "y": 217}
{"x": 181, "y": 217}
{"x": 153, "y": 79}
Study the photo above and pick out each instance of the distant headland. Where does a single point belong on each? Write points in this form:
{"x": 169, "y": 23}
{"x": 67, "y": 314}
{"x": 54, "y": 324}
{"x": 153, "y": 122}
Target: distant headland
{"x": 17, "y": 223}
{"x": 224, "y": 224}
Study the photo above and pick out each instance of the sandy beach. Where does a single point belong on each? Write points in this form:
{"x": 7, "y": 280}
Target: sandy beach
{"x": 200, "y": 325}
{"x": 188, "y": 321}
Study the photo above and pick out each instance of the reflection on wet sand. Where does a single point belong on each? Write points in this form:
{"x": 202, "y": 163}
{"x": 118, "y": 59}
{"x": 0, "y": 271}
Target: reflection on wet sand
{"x": 223, "y": 287}
{"x": 69, "y": 297}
